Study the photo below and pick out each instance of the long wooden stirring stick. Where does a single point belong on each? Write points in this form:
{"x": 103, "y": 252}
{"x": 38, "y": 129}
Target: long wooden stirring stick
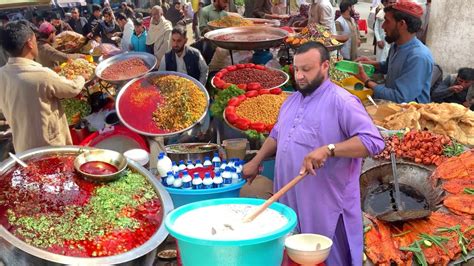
{"x": 274, "y": 198}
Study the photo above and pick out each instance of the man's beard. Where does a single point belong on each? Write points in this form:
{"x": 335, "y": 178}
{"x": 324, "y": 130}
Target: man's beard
{"x": 312, "y": 86}
{"x": 178, "y": 50}
{"x": 395, "y": 35}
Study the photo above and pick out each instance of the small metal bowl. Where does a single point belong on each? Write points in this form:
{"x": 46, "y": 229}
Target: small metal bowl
{"x": 112, "y": 157}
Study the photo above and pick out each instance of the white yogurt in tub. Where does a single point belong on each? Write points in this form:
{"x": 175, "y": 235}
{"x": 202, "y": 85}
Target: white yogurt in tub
{"x": 224, "y": 222}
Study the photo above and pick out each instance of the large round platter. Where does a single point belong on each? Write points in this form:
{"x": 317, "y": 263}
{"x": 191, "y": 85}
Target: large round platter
{"x": 247, "y": 38}
{"x": 14, "y": 251}
{"x": 283, "y": 73}
{"x": 140, "y": 120}
{"x": 257, "y": 22}
{"x": 149, "y": 59}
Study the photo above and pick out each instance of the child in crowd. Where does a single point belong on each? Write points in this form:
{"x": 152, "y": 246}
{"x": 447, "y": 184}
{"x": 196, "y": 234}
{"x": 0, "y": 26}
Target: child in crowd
{"x": 138, "y": 41}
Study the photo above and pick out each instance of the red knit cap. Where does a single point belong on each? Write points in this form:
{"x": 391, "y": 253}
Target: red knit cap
{"x": 46, "y": 28}
{"x": 409, "y": 8}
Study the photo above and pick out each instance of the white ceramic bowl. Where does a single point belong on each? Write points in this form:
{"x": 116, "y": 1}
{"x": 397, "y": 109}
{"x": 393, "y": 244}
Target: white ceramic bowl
{"x": 301, "y": 248}
{"x": 138, "y": 155}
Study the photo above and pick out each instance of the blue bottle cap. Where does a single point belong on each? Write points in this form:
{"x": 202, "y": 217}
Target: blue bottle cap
{"x": 169, "y": 173}
{"x": 224, "y": 161}
{"x": 181, "y": 161}
{"x": 207, "y": 175}
{"x": 174, "y": 163}
{"x": 161, "y": 156}
{"x": 198, "y": 161}
{"x": 185, "y": 172}
{"x": 196, "y": 175}
{"x": 218, "y": 164}
{"x": 189, "y": 161}
{"x": 206, "y": 158}
{"x": 216, "y": 154}
{"x": 228, "y": 169}
{"x": 218, "y": 174}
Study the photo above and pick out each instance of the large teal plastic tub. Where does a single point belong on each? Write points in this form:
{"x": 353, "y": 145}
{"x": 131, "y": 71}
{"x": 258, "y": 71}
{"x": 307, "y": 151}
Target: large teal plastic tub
{"x": 182, "y": 197}
{"x": 264, "y": 250}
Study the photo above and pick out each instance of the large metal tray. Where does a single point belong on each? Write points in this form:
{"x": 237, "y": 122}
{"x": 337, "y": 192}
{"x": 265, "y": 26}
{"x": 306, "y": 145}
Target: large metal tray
{"x": 283, "y": 73}
{"x": 149, "y": 59}
{"x": 154, "y": 74}
{"x": 241, "y": 41}
{"x": 258, "y": 22}
{"x": 14, "y": 251}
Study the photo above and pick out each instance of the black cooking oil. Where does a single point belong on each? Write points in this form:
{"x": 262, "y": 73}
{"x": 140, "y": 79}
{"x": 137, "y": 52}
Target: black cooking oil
{"x": 382, "y": 199}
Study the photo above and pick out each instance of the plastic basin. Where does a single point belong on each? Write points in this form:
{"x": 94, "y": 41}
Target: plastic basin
{"x": 349, "y": 83}
{"x": 182, "y": 197}
{"x": 263, "y": 250}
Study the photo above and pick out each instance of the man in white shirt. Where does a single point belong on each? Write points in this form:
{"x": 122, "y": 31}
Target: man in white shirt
{"x": 127, "y": 27}
{"x": 322, "y": 12}
{"x": 183, "y": 58}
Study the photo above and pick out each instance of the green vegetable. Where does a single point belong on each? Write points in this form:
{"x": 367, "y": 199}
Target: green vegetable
{"x": 367, "y": 228}
{"x": 415, "y": 248}
{"x": 74, "y": 106}
{"x": 462, "y": 240}
{"x": 106, "y": 211}
{"x": 469, "y": 191}
{"x": 402, "y": 234}
{"x": 437, "y": 240}
{"x": 221, "y": 99}
{"x": 454, "y": 149}
{"x": 253, "y": 134}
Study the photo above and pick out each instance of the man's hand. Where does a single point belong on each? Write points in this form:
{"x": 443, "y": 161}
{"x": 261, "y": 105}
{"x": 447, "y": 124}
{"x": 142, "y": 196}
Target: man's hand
{"x": 363, "y": 59}
{"x": 362, "y": 76}
{"x": 250, "y": 171}
{"x": 456, "y": 88}
{"x": 314, "y": 160}
{"x": 381, "y": 44}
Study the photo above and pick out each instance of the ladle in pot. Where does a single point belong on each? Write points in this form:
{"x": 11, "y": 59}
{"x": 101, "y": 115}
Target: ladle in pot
{"x": 274, "y": 198}
{"x": 400, "y": 215}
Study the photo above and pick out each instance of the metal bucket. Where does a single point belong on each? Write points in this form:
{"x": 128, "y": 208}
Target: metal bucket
{"x": 191, "y": 151}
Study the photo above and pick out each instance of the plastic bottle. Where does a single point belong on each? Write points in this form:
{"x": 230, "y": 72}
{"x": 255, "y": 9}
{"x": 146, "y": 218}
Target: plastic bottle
{"x": 207, "y": 181}
{"x": 181, "y": 166}
{"x": 216, "y": 159}
{"x": 218, "y": 180}
{"x": 190, "y": 165}
{"x": 197, "y": 181}
{"x": 198, "y": 164}
{"x": 178, "y": 182}
{"x": 169, "y": 179}
{"x": 227, "y": 176}
{"x": 238, "y": 170}
{"x": 223, "y": 165}
{"x": 231, "y": 162}
{"x": 234, "y": 176}
{"x": 163, "y": 165}
{"x": 217, "y": 167}
{"x": 207, "y": 162}
{"x": 174, "y": 168}
{"x": 187, "y": 181}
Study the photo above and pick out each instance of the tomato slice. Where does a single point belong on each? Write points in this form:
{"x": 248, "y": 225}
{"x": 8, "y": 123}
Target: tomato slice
{"x": 234, "y": 102}
{"x": 264, "y": 91}
{"x": 269, "y": 128}
{"x": 227, "y": 85}
{"x": 242, "y": 124}
{"x": 260, "y": 67}
{"x": 231, "y": 68}
{"x": 276, "y": 91}
{"x": 242, "y": 86}
{"x": 232, "y": 118}
{"x": 250, "y": 65}
{"x": 241, "y": 97}
{"x": 253, "y": 86}
{"x": 251, "y": 94}
{"x": 259, "y": 127}
{"x": 240, "y": 66}
{"x": 218, "y": 75}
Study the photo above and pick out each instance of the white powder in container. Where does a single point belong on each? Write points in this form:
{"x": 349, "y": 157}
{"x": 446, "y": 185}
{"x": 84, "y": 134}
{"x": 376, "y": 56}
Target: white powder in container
{"x": 224, "y": 222}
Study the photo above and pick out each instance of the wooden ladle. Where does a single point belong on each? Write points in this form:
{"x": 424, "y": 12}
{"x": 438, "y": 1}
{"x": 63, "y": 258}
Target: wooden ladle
{"x": 274, "y": 198}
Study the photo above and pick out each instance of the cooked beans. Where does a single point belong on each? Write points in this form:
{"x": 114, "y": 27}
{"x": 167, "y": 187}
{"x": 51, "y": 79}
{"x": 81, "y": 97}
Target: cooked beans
{"x": 263, "y": 108}
{"x": 125, "y": 69}
{"x": 267, "y": 78}
{"x": 183, "y": 104}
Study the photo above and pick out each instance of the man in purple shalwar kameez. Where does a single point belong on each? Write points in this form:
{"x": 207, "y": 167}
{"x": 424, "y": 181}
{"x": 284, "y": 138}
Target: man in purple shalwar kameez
{"x": 324, "y": 131}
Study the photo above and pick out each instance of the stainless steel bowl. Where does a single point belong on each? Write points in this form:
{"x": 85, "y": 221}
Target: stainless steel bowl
{"x": 242, "y": 33}
{"x": 191, "y": 151}
{"x": 149, "y": 59}
{"x": 112, "y": 157}
{"x": 151, "y": 75}
{"x": 13, "y": 251}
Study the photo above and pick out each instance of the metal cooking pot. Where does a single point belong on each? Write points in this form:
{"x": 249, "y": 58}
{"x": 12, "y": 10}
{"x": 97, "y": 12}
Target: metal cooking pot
{"x": 177, "y": 152}
{"x": 13, "y": 251}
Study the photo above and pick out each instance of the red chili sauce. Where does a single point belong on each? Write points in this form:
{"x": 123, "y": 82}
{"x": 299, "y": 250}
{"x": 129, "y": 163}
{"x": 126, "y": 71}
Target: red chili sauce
{"x": 48, "y": 206}
{"x": 98, "y": 168}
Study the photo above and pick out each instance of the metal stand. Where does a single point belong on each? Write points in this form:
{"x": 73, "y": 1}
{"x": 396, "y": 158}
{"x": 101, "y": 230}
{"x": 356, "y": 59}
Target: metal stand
{"x": 231, "y": 57}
